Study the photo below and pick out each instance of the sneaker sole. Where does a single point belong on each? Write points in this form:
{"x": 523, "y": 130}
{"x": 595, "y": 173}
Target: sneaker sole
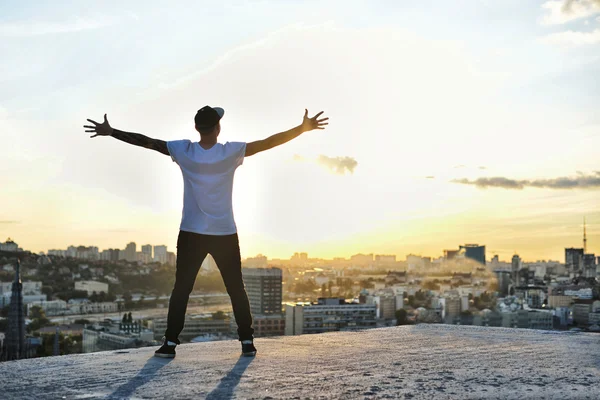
{"x": 250, "y": 354}
{"x": 164, "y": 355}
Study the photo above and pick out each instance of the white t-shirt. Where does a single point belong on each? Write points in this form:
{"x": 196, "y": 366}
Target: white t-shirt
{"x": 207, "y": 184}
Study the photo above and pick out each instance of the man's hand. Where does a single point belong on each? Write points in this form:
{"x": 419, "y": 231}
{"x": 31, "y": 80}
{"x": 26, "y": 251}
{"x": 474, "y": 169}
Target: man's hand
{"x": 103, "y": 129}
{"x": 308, "y": 124}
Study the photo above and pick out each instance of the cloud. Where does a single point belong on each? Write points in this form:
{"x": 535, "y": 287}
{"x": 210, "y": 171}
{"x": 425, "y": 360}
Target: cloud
{"x": 482, "y": 167}
{"x": 572, "y": 38}
{"x": 581, "y": 181}
{"x": 563, "y": 11}
{"x": 430, "y": 177}
{"x": 36, "y": 28}
{"x": 460, "y": 166}
{"x": 9, "y": 222}
{"x": 338, "y": 165}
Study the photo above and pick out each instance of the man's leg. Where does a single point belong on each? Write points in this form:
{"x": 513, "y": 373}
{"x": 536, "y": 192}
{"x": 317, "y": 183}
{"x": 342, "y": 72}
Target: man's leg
{"x": 226, "y": 252}
{"x": 191, "y": 251}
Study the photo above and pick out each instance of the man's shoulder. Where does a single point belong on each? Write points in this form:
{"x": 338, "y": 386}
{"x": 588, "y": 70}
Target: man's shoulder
{"x": 233, "y": 147}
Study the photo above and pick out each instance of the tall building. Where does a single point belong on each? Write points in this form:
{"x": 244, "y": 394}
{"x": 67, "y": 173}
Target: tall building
{"x": 263, "y": 286}
{"x": 130, "y": 252}
{"x": 160, "y": 254}
{"x": 147, "y": 249}
{"x": 516, "y": 265}
{"x": 574, "y": 261}
{"x": 474, "y": 252}
{"x": 16, "y": 320}
{"x": 589, "y": 265}
{"x": 503, "y": 278}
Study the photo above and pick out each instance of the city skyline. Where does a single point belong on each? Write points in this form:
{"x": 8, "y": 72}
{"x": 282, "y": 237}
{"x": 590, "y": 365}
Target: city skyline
{"x": 489, "y": 255}
{"x": 496, "y": 147}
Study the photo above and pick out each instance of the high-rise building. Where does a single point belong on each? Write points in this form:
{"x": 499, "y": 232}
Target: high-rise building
{"x": 130, "y": 251}
{"x": 574, "y": 261}
{"x": 474, "y": 252}
{"x": 147, "y": 249}
{"x": 160, "y": 254}
{"x": 503, "y": 278}
{"x": 516, "y": 265}
{"x": 16, "y": 320}
{"x": 263, "y": 286}
{"x": 589, "y": 265}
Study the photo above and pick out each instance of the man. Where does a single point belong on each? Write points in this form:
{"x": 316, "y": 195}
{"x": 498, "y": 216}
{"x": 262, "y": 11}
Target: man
{"x": 207, "y": 223}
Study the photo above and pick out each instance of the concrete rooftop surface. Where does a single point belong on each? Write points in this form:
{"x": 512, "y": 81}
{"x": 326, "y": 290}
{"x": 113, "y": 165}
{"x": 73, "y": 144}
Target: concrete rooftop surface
{"x": 411, "y": 362}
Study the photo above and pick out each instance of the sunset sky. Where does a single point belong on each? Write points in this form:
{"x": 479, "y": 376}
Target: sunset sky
{"x": 450, "y": 122}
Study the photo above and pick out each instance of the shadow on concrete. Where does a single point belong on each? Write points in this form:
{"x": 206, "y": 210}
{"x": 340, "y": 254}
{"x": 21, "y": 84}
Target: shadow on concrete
{"x": 144, "y": 375}
{"x": 228, "y": 384}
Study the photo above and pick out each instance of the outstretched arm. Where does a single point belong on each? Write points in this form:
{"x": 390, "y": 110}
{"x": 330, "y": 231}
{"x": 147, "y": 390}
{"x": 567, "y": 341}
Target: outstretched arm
{"x": 308, "y": 124}
{"x": 104, "y": 129}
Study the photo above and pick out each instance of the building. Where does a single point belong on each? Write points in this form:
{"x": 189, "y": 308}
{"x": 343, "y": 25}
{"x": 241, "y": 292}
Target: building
{"x": 451, "y": 308}
{"x": 414, "y": 263}
{"x": 385, "y": 306}
{"x": 474, "y": 252}
{"x": 450, "y": 254}
{"x": 328, "y": 315}
{"x": 265, "y": 325}
{"x": 589, "y": 266}
{"x": 160, "y": 254}
{"x": 91, "y": 286}
{"x": 556, "y": 301}
{"x": 503, "y": 279}
{"x": 10, "y": 245}
{"x": 263, "y": 286}
{"x": 113, "y": 335}
{"x": 29, "y": 288}
{"x": 194, "y": 327}
{"x": 259, "y": 261}
{"x": 147, "y": 249}
{"x": 111, "y": 255}
{"x": 574, "y": 261}
{"x": 51, "y": 308}
{"x": 516, "y": 265}
{"x": 130, "y": 252}
{"x": 385, "y": 259}
{"x": 581, "y": 313}
{"x": 171, "y": 258}
{"x": 362, "y": 259}
{"x": 87, "y": 307}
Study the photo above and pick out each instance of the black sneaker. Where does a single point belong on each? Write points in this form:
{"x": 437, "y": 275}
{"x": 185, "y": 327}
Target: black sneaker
{"x": 165, "y": 351}
{"x": 248, "y": 349}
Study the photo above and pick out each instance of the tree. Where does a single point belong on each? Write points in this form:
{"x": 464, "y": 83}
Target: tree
{"x": 38, "y": 319}
{"x": 129, "y": 318}
{"x": 401, "y": 315}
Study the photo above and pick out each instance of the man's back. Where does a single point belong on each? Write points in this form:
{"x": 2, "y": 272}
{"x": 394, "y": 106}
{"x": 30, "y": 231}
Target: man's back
{"x": 208, "y": 184}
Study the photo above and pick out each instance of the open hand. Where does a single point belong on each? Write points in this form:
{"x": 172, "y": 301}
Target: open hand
{"x": 103, "y": 129}
{"x": 308, "y": 124}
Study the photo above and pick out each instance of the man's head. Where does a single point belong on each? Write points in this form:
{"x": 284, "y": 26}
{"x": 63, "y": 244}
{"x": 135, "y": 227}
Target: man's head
{"x": 207, "y": 120}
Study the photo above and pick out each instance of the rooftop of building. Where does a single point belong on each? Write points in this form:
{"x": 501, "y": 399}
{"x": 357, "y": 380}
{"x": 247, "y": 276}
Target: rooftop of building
{"x": 417, "y": 362}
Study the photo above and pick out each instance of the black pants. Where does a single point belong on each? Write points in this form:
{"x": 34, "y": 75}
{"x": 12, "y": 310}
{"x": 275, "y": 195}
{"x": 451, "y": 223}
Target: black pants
{"x": 192, "y": 248}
